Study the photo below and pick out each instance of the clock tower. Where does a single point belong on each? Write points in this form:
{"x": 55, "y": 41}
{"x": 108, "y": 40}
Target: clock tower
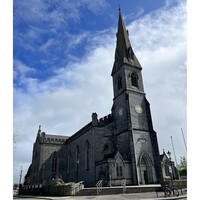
{"x": 136, "y": 139}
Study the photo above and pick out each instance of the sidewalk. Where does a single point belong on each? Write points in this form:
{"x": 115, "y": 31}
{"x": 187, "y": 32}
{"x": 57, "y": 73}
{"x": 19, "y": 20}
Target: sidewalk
{"x": 136, "y": 196}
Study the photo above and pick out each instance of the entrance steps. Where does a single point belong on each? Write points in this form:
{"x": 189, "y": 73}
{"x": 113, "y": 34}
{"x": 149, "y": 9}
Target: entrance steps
{"x": 119, "y": 190}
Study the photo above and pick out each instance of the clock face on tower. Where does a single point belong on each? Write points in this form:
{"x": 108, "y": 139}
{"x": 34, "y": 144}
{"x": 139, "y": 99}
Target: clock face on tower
{"x": 138, "y": 109}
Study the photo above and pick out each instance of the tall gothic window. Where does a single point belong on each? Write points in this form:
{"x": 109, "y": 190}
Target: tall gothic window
{"x": 77, "y": 158}
{"x": 119, "y": 170}
{"x": 87, "y": 146}
{"x": 61, "y": 165}
{"x": 54, "y": 164}
{"x": 134, "y": 79}
{"x": 119, "y": 82}
{"x": 68, "y": 162}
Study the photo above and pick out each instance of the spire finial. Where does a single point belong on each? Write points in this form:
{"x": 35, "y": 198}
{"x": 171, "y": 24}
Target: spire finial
{"x": 163, "y": 151}
{"x": 119, "y": 8}
{"x": 39, "y": 130}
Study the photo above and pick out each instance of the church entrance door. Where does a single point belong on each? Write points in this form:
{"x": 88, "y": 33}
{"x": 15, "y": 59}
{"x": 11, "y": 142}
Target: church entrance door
{"x": 144, "y": 172}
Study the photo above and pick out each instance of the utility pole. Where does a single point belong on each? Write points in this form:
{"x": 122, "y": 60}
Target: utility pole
{"x": 171, "y": 168}
{"x": 184, "y": 139}
{"x": 20, "y": 176}
{"x": 175, "y": 157}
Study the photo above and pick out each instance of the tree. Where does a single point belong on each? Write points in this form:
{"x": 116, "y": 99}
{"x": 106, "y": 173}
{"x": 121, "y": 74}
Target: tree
{"x": 15, "y": 186}
{"x": 182, "y": 167}
{"x": 15, "y": 140}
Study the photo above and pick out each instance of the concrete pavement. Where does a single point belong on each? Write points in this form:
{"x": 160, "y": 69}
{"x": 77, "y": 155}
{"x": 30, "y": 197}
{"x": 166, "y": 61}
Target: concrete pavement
{"x": 136, "y": 196}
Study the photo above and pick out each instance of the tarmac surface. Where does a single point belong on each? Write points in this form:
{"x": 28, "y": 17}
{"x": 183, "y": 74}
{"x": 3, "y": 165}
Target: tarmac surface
{"x": 136, "y": 196}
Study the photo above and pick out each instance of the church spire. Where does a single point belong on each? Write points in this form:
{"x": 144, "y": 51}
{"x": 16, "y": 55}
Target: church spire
{"x": 122, "y": 33}
{"x": 123, "y": 52}
{"x": 39, "y": 130}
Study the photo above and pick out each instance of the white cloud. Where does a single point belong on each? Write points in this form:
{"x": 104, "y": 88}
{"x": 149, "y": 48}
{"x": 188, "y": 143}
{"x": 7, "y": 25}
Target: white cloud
{"x": 76, "y": 39}
{"x": 132, "y": 16}
{"x": 47, "y": 44}
{"x": 36, "y": 11}
{"x": 21, "y": 71}
{"x": 64, "y": 103}
{"x": 95, "y": 5}
{"x": 160, "y": 41}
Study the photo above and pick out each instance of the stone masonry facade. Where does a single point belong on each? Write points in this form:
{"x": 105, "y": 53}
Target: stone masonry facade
{"x": 121, "y": 145}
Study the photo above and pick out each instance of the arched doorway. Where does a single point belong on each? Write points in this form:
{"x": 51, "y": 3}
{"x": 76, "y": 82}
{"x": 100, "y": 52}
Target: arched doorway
{"x": 143, "y": 172}
{"x": 145, "y": 166}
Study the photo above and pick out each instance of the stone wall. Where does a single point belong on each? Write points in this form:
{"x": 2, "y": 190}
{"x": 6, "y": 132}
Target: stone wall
{"x": 177, "y": 183}
{"x": 54, "y": 190}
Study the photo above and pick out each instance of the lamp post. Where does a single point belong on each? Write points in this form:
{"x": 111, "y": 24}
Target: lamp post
{"x": 171, "y": 171}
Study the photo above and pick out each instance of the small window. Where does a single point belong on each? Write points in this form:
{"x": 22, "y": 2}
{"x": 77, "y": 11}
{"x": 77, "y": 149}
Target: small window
{"x": 119, "y": 170}
{"x": 134, "y": 79}
{"x": 119, "y": 82}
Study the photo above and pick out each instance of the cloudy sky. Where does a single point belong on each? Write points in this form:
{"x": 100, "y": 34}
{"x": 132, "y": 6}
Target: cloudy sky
{"x": 63, "y": 57}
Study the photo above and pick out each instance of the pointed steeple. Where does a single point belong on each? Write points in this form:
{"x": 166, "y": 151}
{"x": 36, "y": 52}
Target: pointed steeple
{"x": 122, "y": 33}
{"x": 39, "y": 131}
{"x": 123, "y": 52}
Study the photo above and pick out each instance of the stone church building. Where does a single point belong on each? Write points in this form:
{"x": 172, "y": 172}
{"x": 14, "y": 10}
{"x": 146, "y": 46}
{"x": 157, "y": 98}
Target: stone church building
{"x": 121, "y": 145}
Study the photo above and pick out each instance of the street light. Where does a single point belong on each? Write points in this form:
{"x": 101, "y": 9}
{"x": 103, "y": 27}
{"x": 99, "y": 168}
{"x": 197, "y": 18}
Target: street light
{"x": 171, "y": 171}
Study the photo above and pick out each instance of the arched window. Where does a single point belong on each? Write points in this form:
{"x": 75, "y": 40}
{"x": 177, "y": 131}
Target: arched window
{"x": 134, "y": 79}
{"x": 143, "y": 171}
{"x": 167, "y": 172}
{"x": 145, "y": 164}
{"x": 68, "y": 162}
{"x": 119, "y": 82}
{"x": 119, "y": 170}
{"x": 87, "y": 146}
{"x": 54, "y": 164}
{"x": 77, "y": 158}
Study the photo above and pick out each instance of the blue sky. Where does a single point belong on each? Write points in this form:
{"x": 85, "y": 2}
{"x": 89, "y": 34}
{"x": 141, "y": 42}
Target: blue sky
{"x": 49, "y": 35}
{"x": 63, "y": 57}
